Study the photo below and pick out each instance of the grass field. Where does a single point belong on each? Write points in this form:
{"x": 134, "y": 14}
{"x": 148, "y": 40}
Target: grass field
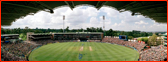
{"x": 91, "y": 51}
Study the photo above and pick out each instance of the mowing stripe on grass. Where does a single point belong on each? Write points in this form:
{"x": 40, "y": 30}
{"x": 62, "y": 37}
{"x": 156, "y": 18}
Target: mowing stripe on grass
{"x": 69, "y": 51}
{"x": 61, "y": 51}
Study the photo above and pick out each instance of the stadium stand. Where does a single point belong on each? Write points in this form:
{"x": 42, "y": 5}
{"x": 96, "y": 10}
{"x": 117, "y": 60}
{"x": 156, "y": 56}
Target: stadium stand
{"x": 44, "y": 42}
{"x": 21, "y": 51}
{"x": 158, "y": 53}
{"x": 16, "y": 51}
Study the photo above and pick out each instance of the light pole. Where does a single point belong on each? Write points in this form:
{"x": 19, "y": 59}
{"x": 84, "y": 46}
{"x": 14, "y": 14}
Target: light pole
{"x": 63, "y": 22}
{"x": 63, "y": 26}
{"x": 103, "y": 25}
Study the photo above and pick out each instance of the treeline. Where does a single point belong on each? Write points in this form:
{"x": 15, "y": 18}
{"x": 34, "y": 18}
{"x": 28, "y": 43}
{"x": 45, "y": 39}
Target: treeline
{"x": 110, "y": 32}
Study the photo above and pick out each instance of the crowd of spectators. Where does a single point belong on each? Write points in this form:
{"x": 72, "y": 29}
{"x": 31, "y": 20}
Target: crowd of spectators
{"x": 19, "y": 51}
{"x": 137, "y": 45}
{"x": 6, "y": 56}
{"x": 44, "y": 42}
{"x": 16, "y": 51}
{"x": 93, "y": 40}
{"x": 158, "y": 53}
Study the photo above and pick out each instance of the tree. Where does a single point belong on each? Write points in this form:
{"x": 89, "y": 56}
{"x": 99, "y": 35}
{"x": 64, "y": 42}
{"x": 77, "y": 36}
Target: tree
{"x": 67, "y": 29}
{"x": 130, "y": 34}
{"x": 26, "y": 27}
{"x": 136, "y": 32}
{"x": 130, "y": 37}
{"x": 97, "y": 29}
{"x": 38, "y": 31}
{"x": 93, "y": 29}
{"x": 144, "y": 34}
{"x": 159, "y": 41}
{"x": 100, "y": 30}
{"x": 87, "y": 29}
{"x": 73, "y": 30}
{"x": 150, "y": 34}
{"x": 81, "y": 30}
{"x": 8, "y": 31}
{"x": 36, "y": 28}
{"x": 139, "y": 39}
{"x": 122, "y": 33}
{"x": 3, "y": 31}
{"x": 23, "y": 36}
{"x": 19, "y": 30}
{"x": 157, "y": 34}
{"x": 145, "y": 39}
{"x": 61, "y": 30}
{"x": 114, "y": 33}
{"x": 111, "y": 32}
{"x": 152, "y": 40}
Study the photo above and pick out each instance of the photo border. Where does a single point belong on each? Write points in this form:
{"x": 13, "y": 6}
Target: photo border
{"x": 81, "y": 0}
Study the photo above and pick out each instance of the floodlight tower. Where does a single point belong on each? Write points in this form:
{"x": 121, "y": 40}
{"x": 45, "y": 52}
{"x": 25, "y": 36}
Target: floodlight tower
{"x": 63, "y": 22}
{"x": 103, "y": 25}
{"x": 63, "y": 26}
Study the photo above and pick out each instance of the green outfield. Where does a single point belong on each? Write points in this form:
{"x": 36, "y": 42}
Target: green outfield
{"x": 83, "y": 51}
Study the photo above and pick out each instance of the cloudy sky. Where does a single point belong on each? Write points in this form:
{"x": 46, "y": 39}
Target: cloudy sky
{"x": 87, "y": 16}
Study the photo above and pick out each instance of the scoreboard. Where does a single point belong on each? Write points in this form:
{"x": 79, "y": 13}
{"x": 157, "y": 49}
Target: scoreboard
{"x": 123, "y": 37}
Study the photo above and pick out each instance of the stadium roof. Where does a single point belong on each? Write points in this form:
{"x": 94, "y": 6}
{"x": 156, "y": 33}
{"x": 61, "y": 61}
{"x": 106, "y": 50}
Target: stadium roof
{"x": 13, "y": 10}
{"x": 67, "y": 33}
